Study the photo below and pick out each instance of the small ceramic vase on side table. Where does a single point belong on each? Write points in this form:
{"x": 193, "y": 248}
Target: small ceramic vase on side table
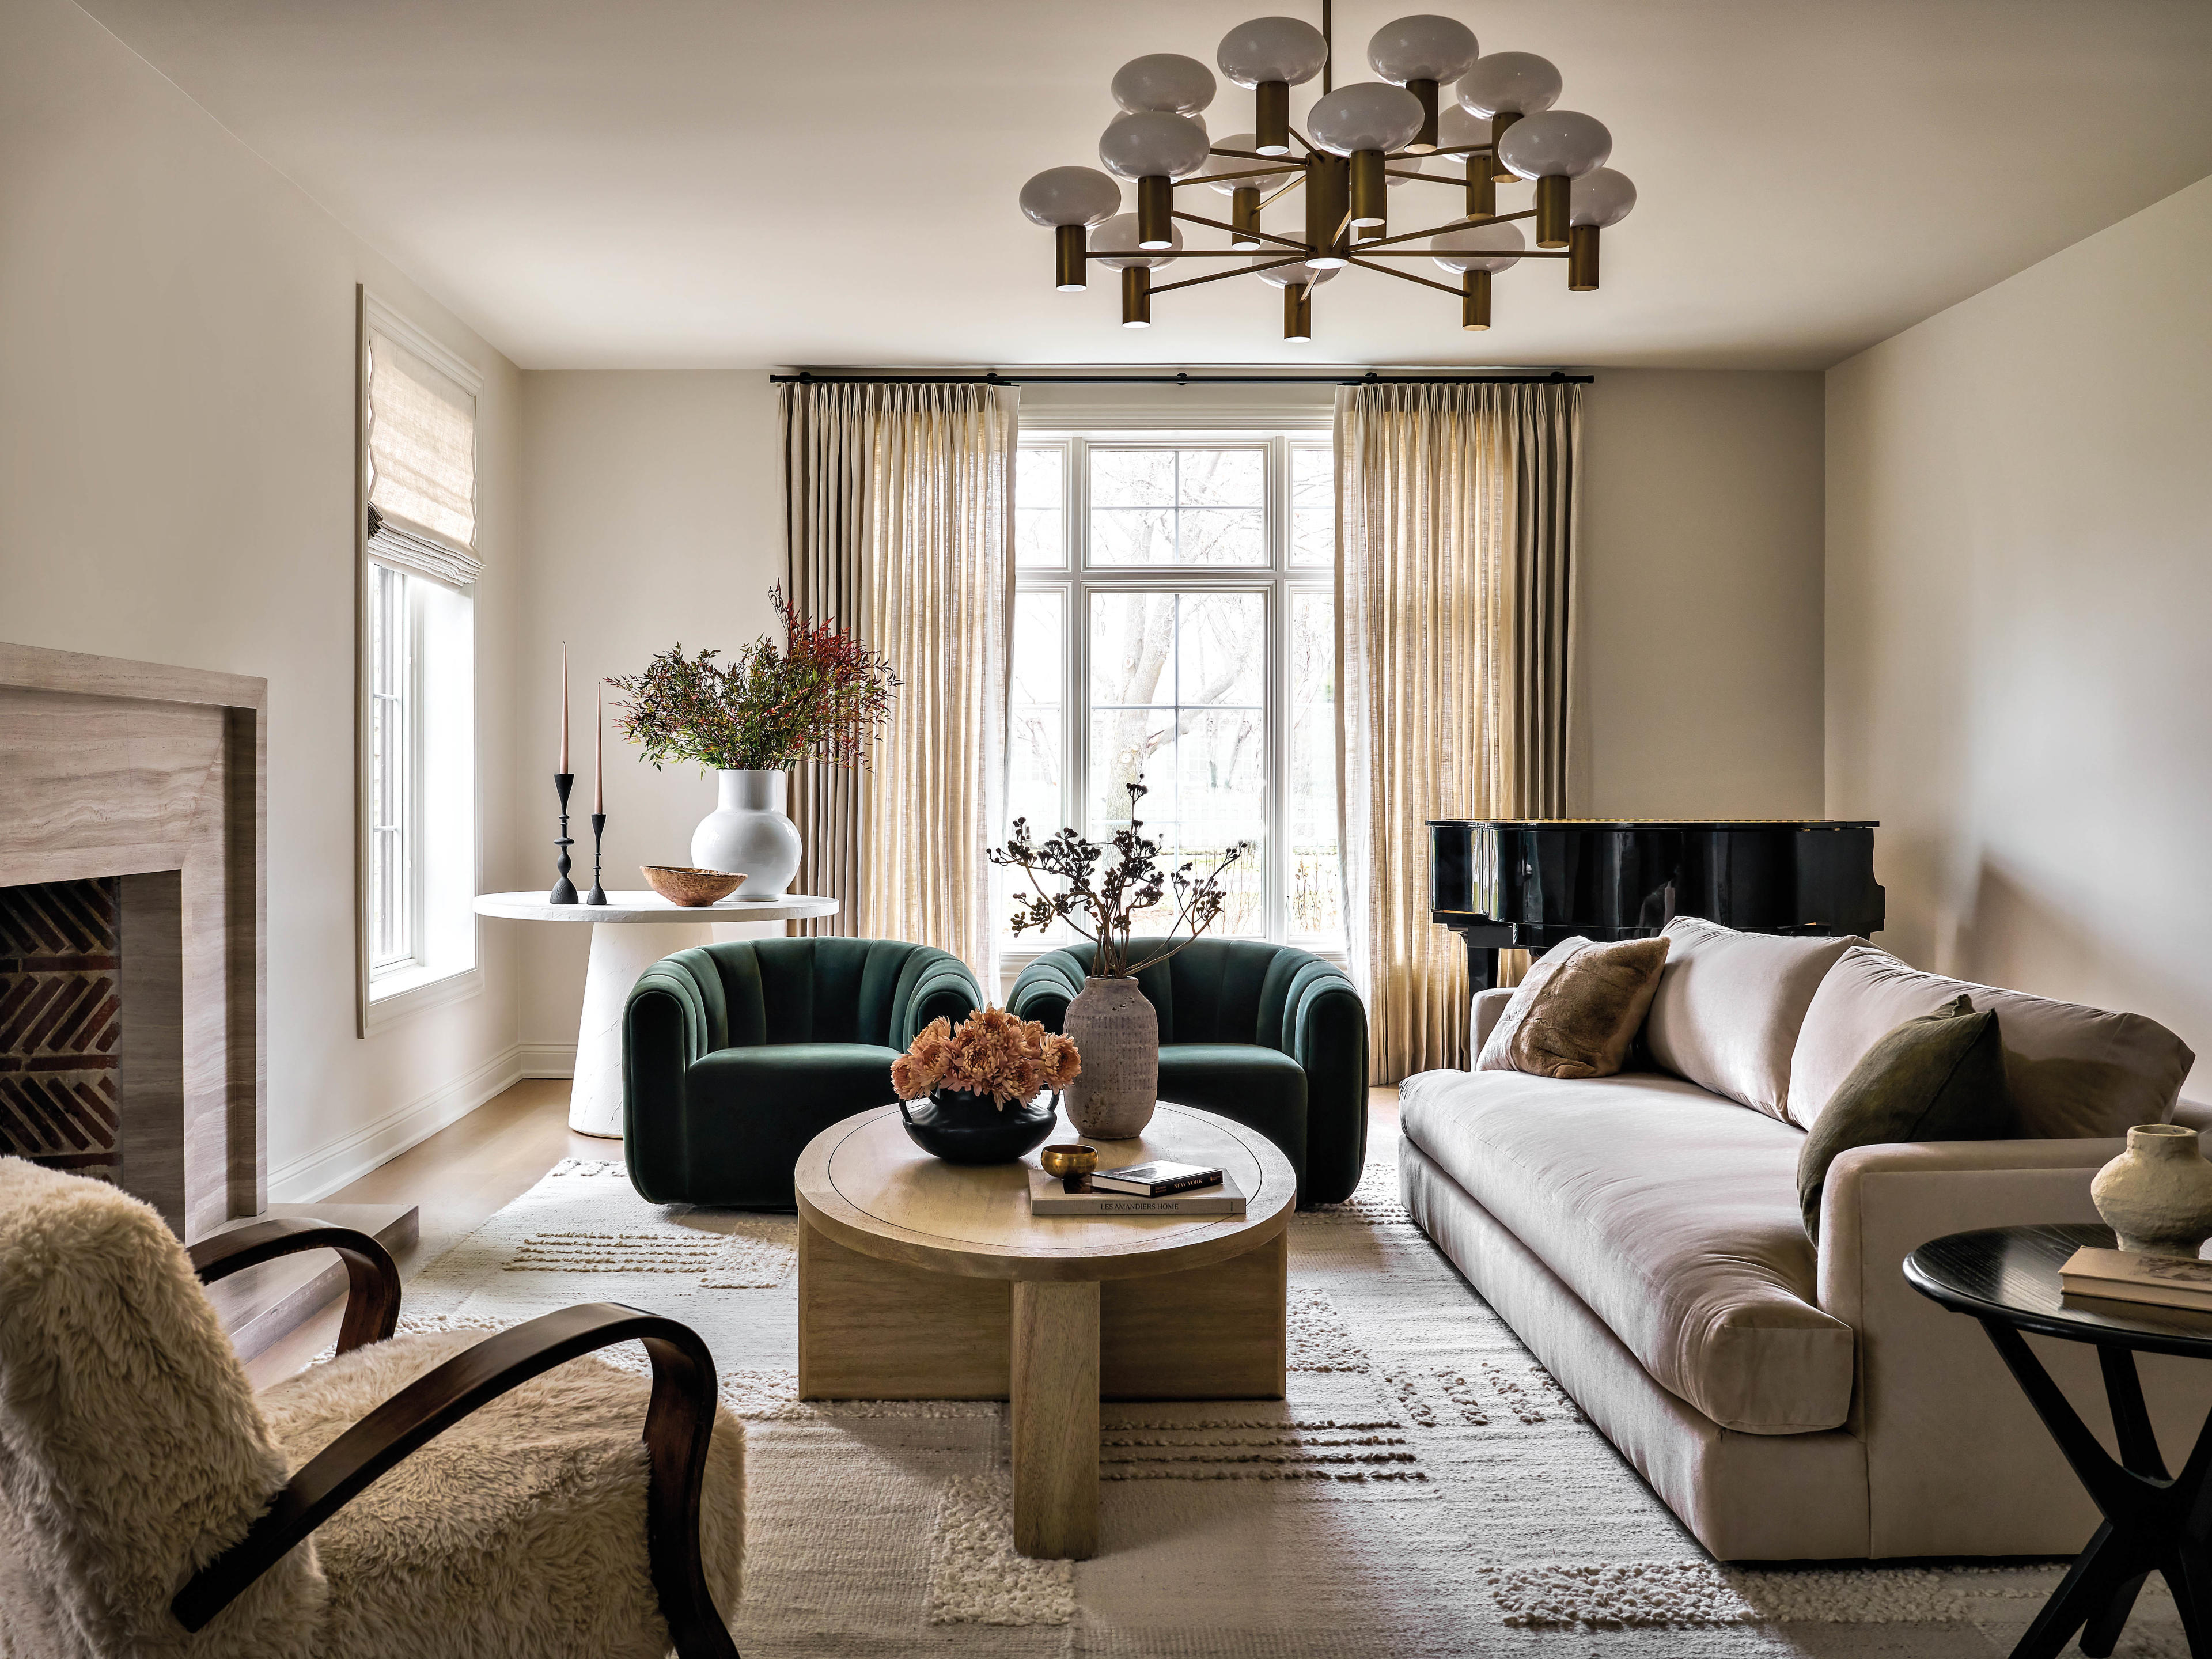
{"x": 2157, "y": 1195}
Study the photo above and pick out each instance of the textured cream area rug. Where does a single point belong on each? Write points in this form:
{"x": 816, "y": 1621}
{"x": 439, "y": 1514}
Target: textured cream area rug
{"x": 1427, "y": 1488}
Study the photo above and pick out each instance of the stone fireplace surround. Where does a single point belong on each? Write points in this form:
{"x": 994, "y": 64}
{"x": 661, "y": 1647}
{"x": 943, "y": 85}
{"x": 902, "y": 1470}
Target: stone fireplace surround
{"x": 154, "y": 777}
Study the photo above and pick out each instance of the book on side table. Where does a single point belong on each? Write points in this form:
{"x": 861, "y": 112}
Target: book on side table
{"x": 1049, "y": 1197}
{"x": 2164, "y": 1281}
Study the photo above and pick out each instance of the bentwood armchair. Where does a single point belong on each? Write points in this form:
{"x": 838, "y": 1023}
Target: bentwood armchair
{"x": 1273, "y": 1037}
{"x": 736, "y": 1055}
{"x": 424, "y": 1496}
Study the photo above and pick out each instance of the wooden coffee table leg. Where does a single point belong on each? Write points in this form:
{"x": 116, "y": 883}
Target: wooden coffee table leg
{"x": 1056, "y": 1419}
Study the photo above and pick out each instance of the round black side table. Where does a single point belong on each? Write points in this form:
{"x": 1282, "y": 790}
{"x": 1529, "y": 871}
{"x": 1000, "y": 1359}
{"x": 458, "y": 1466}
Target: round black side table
{"x": 2007, "y": 1279}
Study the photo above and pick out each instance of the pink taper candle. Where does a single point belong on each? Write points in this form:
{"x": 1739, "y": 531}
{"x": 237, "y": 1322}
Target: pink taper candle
{"x": 599, "y": 760}
{"x": 564, "y": 709}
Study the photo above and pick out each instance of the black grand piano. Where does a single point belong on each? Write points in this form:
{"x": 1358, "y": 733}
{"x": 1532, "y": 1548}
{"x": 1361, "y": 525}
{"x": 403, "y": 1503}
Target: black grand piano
{"x": 1526, "y": 884}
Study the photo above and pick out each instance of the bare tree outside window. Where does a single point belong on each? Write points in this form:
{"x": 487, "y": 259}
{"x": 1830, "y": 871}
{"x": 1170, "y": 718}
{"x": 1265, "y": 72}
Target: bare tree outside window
{"x": 1175, "y": 620}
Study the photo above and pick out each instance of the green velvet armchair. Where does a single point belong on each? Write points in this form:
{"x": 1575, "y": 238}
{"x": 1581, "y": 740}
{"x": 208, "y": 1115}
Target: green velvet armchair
{"x": 1273, "y": 1037}
{"x": 736, "y": 1055}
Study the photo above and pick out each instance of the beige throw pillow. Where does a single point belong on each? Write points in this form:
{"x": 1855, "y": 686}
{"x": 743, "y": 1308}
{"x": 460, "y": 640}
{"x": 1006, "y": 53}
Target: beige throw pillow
{"x": 1730, "y": 1004}
{"x": 1578, "y": 1011}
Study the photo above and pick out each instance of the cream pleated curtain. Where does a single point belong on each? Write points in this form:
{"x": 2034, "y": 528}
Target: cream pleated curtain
{"x": 899, "y": 520}
{"x": 1456, "y": 510}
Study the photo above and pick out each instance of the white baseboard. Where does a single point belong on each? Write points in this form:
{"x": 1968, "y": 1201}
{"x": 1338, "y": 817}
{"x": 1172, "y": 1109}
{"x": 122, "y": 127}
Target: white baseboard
{"x": 546, "y": 1059}
{"x": 316, "y": 1177}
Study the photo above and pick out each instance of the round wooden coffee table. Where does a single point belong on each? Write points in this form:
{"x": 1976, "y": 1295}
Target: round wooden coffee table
{"x": 919, "y": 1279}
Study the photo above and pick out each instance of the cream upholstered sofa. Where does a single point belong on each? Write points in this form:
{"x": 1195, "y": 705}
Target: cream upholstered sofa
{"x": 1642, "y": 1235}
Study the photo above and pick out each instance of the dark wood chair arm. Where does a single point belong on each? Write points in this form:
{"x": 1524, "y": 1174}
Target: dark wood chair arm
{"x": 679, "y": 1422}
{"x": 372, "y": 1310}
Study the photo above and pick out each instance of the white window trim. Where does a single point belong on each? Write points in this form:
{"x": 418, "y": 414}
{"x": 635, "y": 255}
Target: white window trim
{"x": 395, "y": 1000}
{"x": 1074, "y": 430}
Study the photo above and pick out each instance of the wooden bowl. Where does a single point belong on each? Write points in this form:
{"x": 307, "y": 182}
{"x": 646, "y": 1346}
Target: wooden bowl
{"x": 681, "y": 884}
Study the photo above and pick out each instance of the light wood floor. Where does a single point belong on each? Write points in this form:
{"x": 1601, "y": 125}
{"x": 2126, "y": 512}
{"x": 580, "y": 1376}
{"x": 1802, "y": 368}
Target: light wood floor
{"x": 467, "y": 1172}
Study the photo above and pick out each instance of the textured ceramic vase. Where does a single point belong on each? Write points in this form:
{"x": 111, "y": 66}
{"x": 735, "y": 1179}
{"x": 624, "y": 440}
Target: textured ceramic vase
{"x": 962, "y": 1128}
{"x": 1118, "y": 1034}
{"x": 2157, "y": 1195}
{"x": 750, "y": 833}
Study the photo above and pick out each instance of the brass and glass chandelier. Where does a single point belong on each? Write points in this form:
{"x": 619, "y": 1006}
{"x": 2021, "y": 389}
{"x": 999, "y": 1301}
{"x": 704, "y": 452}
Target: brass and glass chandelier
{"x": 1440, "y": 102}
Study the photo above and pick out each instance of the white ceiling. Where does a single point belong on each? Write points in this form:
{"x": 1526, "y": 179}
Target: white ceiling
{"x": 701, "y": 183}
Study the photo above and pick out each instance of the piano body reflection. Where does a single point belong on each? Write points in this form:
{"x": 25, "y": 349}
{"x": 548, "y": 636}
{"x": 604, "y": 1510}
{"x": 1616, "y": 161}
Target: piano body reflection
{"x": 1526, "y": 884}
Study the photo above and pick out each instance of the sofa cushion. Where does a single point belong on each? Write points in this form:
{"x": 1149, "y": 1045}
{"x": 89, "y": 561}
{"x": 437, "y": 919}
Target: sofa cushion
{"x": 2071, "y": 1071}
{"x": 1671, "y": 1212}
{"x": 1728, "y": 1008}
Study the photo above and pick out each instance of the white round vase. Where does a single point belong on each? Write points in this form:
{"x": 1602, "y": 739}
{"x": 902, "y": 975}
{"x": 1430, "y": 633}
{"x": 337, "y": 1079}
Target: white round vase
{"x": 750, "y": 833}
{"x": 1118, "y": 1034}
{"x": 2157, "y": 1195}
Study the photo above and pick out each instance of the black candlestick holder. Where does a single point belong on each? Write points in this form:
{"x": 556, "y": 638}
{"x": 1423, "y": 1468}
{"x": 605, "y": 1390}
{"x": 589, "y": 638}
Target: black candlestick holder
{"x": 564, "y": 891}
{"x": 598, "y": 894}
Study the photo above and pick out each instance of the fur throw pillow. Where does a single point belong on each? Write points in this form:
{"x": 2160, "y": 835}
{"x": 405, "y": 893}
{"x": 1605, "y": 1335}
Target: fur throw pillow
{"x": 1578, "y": 1011}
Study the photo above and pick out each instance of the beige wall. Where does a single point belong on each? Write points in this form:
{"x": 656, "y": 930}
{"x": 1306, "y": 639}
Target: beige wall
{"x": 177, "y": 484}
{"x": 1700, "y": 595}
{"x": 651, "y": 519}
{"x": 2019, "y": 583}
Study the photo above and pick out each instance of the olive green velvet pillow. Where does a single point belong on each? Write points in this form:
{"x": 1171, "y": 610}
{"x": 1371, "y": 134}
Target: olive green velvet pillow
{"x": 1937, "y": 1078}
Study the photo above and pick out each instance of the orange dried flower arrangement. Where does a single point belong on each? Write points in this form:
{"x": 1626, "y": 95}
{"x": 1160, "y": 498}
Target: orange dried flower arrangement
{"x": 989, "y": 1052}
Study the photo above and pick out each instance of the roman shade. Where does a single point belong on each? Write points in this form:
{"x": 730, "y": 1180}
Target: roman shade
{"x": 421, "y": 461}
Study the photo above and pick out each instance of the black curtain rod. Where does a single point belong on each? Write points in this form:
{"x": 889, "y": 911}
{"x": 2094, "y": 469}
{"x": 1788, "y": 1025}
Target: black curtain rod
{"x": 1555, "y": 378}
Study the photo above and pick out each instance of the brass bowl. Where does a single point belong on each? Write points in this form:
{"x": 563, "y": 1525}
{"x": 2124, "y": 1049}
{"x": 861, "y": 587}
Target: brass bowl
{"x": 681, "y": 884}
{"x": 1072, "y": 1162}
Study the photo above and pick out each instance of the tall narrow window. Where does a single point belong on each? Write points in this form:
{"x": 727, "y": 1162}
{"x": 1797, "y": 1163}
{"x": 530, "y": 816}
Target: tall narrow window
{"x": 391, "y": 708}
{"x": 418, "y": 665}
{"x": 1174, "y": 622}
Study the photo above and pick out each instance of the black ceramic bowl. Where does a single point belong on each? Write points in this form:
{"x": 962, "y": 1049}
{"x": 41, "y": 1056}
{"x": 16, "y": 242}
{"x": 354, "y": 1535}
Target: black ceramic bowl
{"x": 964, "y": 1128}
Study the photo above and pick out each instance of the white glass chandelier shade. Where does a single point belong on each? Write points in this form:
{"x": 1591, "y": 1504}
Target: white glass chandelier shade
{"x": 1423, "y": 47}
{"x": 1070, "y": 196}
{"x": 1515, "y": 82}
{"x": 1365, "y": 115}
{"x": 1478, "y": 247}
{"x": 1286, "y": 275}
{"x": 1271, "y": 49}
{"x": 1164, "y": 81}
{"x": 1456, "y": 127}
{"x": 1152, "y": 145}
{"x": 1117, "y": 238}
{"x": 1601, "y": 196}
{"x": 1220, "y": 164}
{"x": 1559, "y": 142}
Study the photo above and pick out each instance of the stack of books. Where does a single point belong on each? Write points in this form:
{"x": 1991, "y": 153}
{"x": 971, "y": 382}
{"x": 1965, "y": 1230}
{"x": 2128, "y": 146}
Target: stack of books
{"x": 1155, "y": 1189}
{"x": 2164, "y": 1281}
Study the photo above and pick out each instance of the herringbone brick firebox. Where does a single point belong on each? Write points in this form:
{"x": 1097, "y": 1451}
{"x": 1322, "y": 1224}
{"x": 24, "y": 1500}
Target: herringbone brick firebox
{"x": 60, "y": 1024}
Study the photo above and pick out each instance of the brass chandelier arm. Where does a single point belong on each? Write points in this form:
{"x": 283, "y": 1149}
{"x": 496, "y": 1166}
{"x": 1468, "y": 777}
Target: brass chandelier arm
{"x": 1256, "y": 172}
{"x": 1456, "y": 224}
{"x": 1407, "y": 277}
{"x": 1264, "y": 235}
{"x": 1265, "y": 200}
{"x": 1312, "y": 148}
{"x": 1425, "y": 178}
{"x": 1426, "y": 254}
{"x": 1241, "y": 155}
{"x": 1219, "y": 276}
{"x": 1190, "y": 253}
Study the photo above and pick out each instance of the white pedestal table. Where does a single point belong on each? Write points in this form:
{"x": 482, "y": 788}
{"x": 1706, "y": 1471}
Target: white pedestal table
{"x": 633, "y": 930}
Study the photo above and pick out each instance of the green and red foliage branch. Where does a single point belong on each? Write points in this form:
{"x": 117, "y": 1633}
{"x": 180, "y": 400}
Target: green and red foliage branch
{"x": 822, "y": 694}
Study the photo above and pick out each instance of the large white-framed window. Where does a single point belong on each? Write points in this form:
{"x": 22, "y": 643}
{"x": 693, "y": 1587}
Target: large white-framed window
{"x": 1174, "y": 619}
{"x": 419, "y": 852}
